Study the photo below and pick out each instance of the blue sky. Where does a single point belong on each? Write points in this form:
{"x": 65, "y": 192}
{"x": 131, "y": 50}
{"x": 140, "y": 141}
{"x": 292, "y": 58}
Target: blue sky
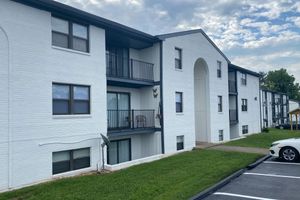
{"x": 260, "y": 35}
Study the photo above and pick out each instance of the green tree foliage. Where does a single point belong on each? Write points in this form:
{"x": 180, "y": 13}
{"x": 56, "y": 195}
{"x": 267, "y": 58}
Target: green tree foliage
{"x": 281, "y": 81}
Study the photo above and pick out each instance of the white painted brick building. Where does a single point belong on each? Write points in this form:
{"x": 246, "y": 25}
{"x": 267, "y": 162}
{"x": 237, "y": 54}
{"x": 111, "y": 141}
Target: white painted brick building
{"x": 66, "y": 76}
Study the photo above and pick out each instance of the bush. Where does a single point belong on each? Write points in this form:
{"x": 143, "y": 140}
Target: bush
{"x": 265, "y": 130}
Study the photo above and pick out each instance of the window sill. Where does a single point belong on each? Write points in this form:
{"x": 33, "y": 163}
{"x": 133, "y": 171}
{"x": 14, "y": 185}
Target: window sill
{"x": 71, "y": 116}
{"x": 178, "y": 70}
{"x": 221, "y": 113}
{"x": 180, "y": 113}
{"x": 180, "y": 150}
{"x": 72, "y": 172}
{"x": 70, "y": 50}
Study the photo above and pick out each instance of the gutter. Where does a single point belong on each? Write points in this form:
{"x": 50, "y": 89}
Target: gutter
{"x": 260, "y": 117}
{"x": 161, "y": 98}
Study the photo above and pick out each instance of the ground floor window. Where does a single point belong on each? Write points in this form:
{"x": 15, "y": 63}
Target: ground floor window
{"x": 245, "y": 129}
{"x": 119, "y": 151}
{"x": 221, "y": 135}
{"x": 180, "y": 142}
{"x": 64, "y": 161}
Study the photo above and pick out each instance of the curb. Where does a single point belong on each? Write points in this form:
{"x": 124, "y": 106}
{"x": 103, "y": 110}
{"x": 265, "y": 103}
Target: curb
{"x": 259, "y": 161}
{"x": 228, "y": 179}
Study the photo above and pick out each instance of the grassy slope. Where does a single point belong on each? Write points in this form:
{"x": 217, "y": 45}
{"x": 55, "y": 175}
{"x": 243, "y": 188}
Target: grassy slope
{"x": 264, "y": 140}
{"x": 177, "y": 177}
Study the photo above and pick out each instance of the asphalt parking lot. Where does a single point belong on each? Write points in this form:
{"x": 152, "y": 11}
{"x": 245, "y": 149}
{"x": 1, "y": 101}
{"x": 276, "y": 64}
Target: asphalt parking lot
{"x": 271, "y": 180}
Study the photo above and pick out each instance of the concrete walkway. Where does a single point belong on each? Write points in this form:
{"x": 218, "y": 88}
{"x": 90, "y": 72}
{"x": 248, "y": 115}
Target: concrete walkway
{"x": 203, "y": 145}
{"x": 241, "y": 149}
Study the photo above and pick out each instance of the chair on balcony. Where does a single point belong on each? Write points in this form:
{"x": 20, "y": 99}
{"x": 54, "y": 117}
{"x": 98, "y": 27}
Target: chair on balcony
{"x": 140, "y": 121}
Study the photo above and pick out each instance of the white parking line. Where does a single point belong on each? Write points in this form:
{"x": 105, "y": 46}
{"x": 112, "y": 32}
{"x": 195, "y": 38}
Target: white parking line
{"x": 281, "y": 163}
{"x": 272, "y": 175}
{"x": 243, "y": 196}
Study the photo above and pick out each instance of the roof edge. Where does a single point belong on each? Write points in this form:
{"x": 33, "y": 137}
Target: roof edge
{"x": 253, "y": 73}
{"x": 54, "y": 6}
{"x": 188, "y": 32}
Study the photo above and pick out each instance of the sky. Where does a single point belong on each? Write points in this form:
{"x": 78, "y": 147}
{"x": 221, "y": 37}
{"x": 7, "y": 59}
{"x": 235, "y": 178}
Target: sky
{"x": 260, "y": 35}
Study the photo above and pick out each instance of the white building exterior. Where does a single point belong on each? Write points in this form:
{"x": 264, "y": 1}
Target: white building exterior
{"x": 150, "y": 95}
{"x": 244, "y": 102}
{"x": 275, "y": 107}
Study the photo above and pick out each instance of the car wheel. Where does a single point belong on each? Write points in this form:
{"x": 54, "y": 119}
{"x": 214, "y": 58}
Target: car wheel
{"x": 289, "y": 154}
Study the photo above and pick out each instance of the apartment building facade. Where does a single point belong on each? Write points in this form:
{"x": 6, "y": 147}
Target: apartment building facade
{"x": 244, "y": 101}
{"x": 66, "y": 76}
{"x": 275, "y": 108}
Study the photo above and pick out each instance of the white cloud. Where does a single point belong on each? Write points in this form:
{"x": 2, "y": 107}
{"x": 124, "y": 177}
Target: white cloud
{"x": 282, "y": 38}
{"x": 295, "y": 20}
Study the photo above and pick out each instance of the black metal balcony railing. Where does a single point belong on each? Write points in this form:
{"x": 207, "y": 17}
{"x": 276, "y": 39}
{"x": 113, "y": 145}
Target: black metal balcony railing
{"x": 122, "y": 67}
{"x": 233, "y": 116}
{"x": 130, "y": 119}
{"x": 232, "y": 86}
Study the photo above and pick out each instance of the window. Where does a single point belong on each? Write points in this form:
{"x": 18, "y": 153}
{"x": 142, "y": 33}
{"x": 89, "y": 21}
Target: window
{"x": 119, "y": 151}
{"x": 221, "y": 135}
{"x": 219, "y": 70}
{"x": 220, "y": 104}
{"x": 65, "y": 161}
{"x": 245, "y": 129}
{"x": 180, "y": 142}
{"x": 244, "y": 104}
{"x": 244, "y": 79}
{"x": 179, "y": 107}
{"x": 69, "y": 35}
{"x": 70, "y": 99}
{"x": 178, "y": 58}
{"x": 118, "y": 110}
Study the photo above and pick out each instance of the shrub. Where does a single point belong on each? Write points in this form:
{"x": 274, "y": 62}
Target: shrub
{"x": 265, "y": 130}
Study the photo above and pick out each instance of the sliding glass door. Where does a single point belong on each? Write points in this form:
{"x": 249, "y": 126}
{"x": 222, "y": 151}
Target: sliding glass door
{"x": 118, "y": 105}
{"x": 118, "y": 62}
{"x": 119, "y": 151}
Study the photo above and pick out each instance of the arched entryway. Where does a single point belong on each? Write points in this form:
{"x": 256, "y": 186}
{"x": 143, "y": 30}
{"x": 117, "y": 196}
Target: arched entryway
{"x": 201, "y": 100}
{"x": 3, "y": 110}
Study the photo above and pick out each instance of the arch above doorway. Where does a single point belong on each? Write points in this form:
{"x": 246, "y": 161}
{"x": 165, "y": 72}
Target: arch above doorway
{"x": 201, "y": 100}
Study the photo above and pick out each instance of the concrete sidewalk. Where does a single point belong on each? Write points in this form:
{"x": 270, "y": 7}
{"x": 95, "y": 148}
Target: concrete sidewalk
{"x": 241, "y": 149}
{"x": 232, "y": 148}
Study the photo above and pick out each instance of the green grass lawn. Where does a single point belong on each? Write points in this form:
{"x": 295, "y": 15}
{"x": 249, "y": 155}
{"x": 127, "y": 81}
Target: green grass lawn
{"x": 176, "y": 177}
{"x": 264, "y": 140}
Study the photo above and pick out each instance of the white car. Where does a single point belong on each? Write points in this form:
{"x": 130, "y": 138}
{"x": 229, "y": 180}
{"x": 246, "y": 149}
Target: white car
{"x": 288, "y": 149}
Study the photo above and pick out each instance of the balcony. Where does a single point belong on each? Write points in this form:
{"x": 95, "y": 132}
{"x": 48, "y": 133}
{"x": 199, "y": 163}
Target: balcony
{"x": 232, "y": 87}
{"x": 233, "y": 116}
{"x": 124, "y": 122}
{"x": 122, "y": 71}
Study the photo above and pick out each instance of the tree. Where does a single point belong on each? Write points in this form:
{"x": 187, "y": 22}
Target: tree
{"x": 281, "y": 81}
